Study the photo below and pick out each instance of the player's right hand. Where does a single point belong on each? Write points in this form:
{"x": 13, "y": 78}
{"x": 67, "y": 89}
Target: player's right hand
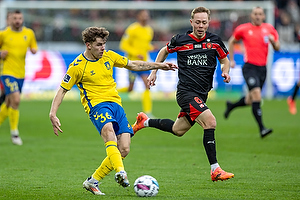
{"x": 55, "y": 125}
{"x": 169, "y": 66}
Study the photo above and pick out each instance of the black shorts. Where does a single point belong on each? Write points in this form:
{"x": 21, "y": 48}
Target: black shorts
{"x": 191, "y": 104}
{"x": 254, "y": 75}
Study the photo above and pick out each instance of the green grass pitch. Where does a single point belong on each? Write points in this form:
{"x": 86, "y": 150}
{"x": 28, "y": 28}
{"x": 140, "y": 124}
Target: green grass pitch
{"x": 51, "y": 167}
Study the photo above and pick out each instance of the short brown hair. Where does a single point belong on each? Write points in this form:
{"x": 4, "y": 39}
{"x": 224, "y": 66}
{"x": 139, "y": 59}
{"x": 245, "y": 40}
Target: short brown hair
{"x": 17, "y": 12}
{"x": 200, "y": 10}
{"x": 91, "y": 33}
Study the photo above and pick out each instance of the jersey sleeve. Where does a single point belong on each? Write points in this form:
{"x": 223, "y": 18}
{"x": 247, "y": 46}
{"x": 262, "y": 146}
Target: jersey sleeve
{"x": 221, "y": 49}
{"x": 33, "y": 42}
{"x": 171, "y": 46}
{"x": 238, "y": 32}
{"x": 72, "y": 77}
{"x": 119, "y": 61}
{"x": 274, "y": 33}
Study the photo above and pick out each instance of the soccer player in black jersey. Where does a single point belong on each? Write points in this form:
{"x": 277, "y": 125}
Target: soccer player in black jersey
{"x": 197, "y": 54}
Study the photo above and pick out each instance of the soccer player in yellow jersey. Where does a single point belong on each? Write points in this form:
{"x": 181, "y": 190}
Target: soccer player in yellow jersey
{"x": 92, "y": 72}
{"x": 14, "y": 42}
{"x": 136, "y": 43}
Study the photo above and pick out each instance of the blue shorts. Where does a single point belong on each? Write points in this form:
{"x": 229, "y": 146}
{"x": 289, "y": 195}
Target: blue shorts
{"x": 106, "y": 112}
{"x": 134, "y": 74}
{"x": 12, "y": 84}
{"x": 140, "y": 73}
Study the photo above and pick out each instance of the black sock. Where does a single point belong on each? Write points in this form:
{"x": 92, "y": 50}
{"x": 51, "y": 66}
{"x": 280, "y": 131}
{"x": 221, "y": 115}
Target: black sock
{"x": 239, "y": 103}
{"x": 162, "y": 124}
{"x": 295, "y": 92}
{"x": 210, "y": 145}
{"x": 257, "y": 114}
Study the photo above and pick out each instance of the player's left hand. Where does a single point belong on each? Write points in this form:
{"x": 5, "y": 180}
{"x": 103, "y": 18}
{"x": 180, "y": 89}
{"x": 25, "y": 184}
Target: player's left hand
{"x": 271, "y": 38}
{"x": 226, "y": 77}
{"x": 3, "y": 54}
{"x": 151, "y": 79}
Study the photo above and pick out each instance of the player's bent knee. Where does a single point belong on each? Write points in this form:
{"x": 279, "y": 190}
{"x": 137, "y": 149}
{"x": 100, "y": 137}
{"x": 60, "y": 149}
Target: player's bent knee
{"x": 209, "y": 123}
{"x": 212, "y": 125}
{"x": 179, "y": 133}
{"x": 124, "y": 151}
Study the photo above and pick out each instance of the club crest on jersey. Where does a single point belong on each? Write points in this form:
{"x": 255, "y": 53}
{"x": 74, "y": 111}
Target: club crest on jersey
{"x": 107, "y": 65}
{"x": 208, "y": 45}
{"x": 67, "y": 78}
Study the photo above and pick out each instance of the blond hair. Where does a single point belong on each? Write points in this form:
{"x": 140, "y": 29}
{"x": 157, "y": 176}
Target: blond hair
{"x": 200, "y": 10}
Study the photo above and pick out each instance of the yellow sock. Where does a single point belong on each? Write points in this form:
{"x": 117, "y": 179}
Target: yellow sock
{"x": 114, "y": 156}
{"x": 147, "y": 102}
{"x": 13, "y": 116}
{"x": 123, "y": 89}
{"x": 104, "y": 169}
{"x": 3, "y": 113}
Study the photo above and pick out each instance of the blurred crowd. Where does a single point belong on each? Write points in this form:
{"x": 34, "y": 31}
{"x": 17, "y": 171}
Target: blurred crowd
{"x": 66, "y": 25}
{"x": 287, "y": 20}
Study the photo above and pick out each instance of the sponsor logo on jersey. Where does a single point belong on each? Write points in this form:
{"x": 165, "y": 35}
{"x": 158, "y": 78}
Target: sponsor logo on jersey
{"x": 197, "y": 59}
{"x": 198, "y": 46}
{"x": 185, "y": 47}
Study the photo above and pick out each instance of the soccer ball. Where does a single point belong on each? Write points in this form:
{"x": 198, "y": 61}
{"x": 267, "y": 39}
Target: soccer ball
{"x": 146, "y": 186}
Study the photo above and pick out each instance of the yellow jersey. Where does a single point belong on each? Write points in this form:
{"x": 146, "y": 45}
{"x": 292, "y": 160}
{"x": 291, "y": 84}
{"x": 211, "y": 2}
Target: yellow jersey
{"x": 17, "y": 44}
{"x": 94, "y": 78}
{"x": 137, "y": 41}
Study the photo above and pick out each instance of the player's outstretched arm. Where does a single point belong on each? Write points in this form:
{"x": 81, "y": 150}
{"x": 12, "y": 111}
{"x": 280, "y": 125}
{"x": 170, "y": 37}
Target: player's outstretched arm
{"x": 138, "y": 65}
{"x": 54, "y": 107}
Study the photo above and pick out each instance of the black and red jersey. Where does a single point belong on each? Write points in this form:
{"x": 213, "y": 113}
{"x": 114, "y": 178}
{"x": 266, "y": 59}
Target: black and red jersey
{"x": 196, "y": 60}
